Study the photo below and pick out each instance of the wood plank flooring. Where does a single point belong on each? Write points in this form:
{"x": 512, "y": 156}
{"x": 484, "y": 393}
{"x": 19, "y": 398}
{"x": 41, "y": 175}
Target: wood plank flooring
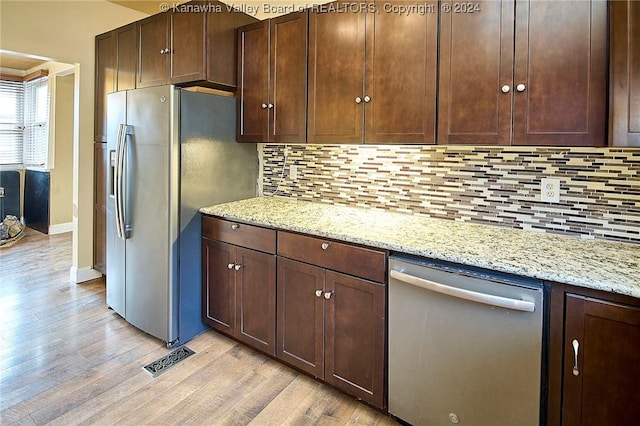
{"x": 66, "y": 359}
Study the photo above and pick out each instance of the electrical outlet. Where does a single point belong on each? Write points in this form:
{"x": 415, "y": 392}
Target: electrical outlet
{"x": 293, "y": 172}
{"x": 286, "y": 151}
{"x": 550, "y": 190}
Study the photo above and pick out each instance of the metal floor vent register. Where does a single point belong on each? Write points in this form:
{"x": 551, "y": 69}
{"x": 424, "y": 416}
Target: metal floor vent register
{"x": 169, "y": 360}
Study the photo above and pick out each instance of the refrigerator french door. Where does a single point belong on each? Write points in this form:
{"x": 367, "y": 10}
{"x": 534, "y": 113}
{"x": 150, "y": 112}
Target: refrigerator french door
{"x": 140, "y": 259}
{"x": 170, "y": 153}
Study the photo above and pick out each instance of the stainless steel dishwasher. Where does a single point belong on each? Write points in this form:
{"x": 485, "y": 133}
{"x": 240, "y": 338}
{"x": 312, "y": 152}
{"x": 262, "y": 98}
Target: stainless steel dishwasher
{"x": 465, "y": 345}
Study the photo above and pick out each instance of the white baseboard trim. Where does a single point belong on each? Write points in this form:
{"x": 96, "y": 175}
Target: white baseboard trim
{"x": 60, "y": 228}
{"x": 80, "y": 275}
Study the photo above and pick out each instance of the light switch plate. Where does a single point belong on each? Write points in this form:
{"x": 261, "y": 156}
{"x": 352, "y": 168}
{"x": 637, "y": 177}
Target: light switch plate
{"x": 1, "y": 191}
{"x": 550, "y": 190}
{"x": 293, "y": 172}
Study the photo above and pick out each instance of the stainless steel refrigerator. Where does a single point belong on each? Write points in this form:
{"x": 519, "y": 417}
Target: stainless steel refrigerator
{"x": 171, "y": 151}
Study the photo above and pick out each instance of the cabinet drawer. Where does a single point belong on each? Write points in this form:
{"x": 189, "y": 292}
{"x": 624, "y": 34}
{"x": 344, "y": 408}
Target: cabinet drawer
{"x": 358, "y": 261}
{"x": 239, "y": 234}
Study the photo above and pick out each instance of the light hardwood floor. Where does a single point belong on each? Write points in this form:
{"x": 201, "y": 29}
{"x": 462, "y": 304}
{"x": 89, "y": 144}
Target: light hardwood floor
{"x": 66, "y": 359}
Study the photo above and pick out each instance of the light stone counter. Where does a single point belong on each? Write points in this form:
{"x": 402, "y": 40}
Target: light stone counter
{"x": 597, "y": 264}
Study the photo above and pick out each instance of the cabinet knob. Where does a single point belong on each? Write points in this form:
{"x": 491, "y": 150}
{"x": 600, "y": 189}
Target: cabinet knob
{"x": 319, "y": 293}
{"x": 505, "y": 88}
{"x": 324, "y": 246}
{"x": 328, "y": 294}
{"x": 358, "y": 99}
{"x": 231, "y": 265}
{"x": 270, "y": 106}
{"x": 235, "y": 226}
{"x": 237, "y": 267}
{"x": 367, "y": 99}
{"x": 520, "y": 87}
{"x": 265, "y": 106}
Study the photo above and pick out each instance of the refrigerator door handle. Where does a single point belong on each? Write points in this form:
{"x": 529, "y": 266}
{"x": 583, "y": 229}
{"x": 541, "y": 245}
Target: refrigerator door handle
{"x": 121, "y": 181}
{"x": 117, "y": 178}
{"x": 126, "y": 182}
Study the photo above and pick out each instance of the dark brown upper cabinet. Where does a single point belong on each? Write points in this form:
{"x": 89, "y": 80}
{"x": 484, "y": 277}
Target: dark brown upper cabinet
{"x": 372, "y": 76}
{"x": 187, "y": 37}
{"x": 272, "y": 80}
{"x": 153, "y": 50}
{"x": 115, "y": 67}
{"x": 125, "y": 57}
{"x": 192, "y": 43}
{"x": 104, "y": 83}
{"x": 624, "y": 72}
{"x": 524, "y": 73}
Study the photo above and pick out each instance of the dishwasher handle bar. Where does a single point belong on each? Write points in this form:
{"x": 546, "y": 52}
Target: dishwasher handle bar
{"x": 474, "y": 296}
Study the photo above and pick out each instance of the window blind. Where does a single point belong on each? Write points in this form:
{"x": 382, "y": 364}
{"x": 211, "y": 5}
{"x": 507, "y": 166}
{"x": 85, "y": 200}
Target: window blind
{"x": 36, "y": 122}
{"x": 11, "y": 122}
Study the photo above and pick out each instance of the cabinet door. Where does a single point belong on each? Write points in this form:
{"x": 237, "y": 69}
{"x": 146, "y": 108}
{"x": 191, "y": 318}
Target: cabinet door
{"x": 624, "y": 102}
{"x": 104, "y": 84}
{"x": 476, "y": 62}
{"x": 288, "y": 78}
{"x": 153, "y": 42}
{"x": 187, "y": 58}
{"x": 100, "y": 164}
{"x": 606, "y": 388}
{"x": 355, "y": 336}
{"x": 218, "y": 281}
{"x": 300, "y": 316}
{"x": 253, "y": 80}
{"x": 256, "y": 299}
{"x": 126, "y": 57}
{"x": 401, "y": 76}
{"x": 560, "y": 75}
{"x": 336, "y": 77}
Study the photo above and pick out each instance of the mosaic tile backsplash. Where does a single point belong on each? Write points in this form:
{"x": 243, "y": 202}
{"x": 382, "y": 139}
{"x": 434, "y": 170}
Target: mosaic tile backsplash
{"x": 599, "y": 188}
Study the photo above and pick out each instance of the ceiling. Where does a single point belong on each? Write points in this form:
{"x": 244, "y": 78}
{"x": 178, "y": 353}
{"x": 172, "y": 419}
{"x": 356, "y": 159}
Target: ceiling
{"x": 20, "y": 61}
{"x": 150, "y": 7}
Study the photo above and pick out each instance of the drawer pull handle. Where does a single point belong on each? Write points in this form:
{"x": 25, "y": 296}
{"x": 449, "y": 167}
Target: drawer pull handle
{"x": 237, "y": 267}
{"x": 576, "y": 345}
{"x": 235, "y": 226}
{"x": 231, "y": 265}
{"x": 325, "y": 246}
{"x": 328, "y": 294}
{"x": 319, "y": 293}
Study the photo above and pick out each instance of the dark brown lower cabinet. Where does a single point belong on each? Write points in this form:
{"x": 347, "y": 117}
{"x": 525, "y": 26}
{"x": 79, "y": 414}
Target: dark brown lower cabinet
{"x": 355, "y": 336}
{"x": 300, "y": 340}
{"x": 601, "y": 363}
{"x": 332, "y": 325}
{"x": 239, "y": 293}
{"x": 100, "y": 165}
{"x": 594, "y": 359}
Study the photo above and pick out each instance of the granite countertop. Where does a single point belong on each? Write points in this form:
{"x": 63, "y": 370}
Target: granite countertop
{"x": 597, "y": 264}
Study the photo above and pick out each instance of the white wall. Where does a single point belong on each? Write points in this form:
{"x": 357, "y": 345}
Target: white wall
{"x": 61, "y": 196}
{"x": 65, "y": 31}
